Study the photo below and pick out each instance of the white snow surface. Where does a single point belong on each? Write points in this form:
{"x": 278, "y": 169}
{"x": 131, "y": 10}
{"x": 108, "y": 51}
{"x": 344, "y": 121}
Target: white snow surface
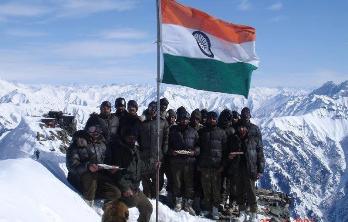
{"x": 29, "y": 192}
{"x": 305, "y": 138}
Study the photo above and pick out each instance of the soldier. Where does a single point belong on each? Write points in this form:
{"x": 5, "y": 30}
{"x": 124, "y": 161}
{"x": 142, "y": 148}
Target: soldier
{"x": 180, "y": 110}
{"x": 120, "y": 106}
{"x": 183, "y": 148}
{"x": 225, "y": 123}
{"x": 148, "y": 148}
{"x": 109, "y": 122}
{"x": 195, "y": 119}
{"x": 212, "y": 141}
{"x": 83, "y": 156}
{"x": 235, "y": 120}
{"x": 204, "y": 116}
{"x": 251, "y": 165}
{"x": 163, "y": 107}
{"x": 131, "y": 118}
{"x": 171, "y": 117}
{"x": 125, "y": 154}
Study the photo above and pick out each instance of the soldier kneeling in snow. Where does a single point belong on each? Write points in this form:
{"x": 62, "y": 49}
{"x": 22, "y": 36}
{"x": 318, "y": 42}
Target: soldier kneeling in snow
{"x": 83, "y": 156}
{"x": 125, "y": 154}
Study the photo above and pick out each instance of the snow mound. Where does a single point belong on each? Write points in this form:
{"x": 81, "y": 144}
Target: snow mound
{"x": 31, "y": 193}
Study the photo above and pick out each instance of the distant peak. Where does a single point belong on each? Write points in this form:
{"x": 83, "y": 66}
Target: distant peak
{"x": 344, "y": 85}
{"x": 330, "y": 88}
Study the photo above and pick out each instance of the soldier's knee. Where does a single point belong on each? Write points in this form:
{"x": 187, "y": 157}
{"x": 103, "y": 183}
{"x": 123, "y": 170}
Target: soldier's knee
{"x": 146, "y": 206}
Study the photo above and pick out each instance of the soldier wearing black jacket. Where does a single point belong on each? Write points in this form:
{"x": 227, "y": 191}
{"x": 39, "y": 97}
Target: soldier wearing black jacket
{"x": 227, "y": 185}
{"x": 183, "y": 150}
{"x": 120, "y": 106}
{"x": 251, "y": 164}
{"x": 171, "y": 119}
{"x": 125, "y": 154}
{"x": 148, "y": 148}
{"x": 131, "y": 118}
{"x": 212, "y": 142}
{"x": 204, "y": 116}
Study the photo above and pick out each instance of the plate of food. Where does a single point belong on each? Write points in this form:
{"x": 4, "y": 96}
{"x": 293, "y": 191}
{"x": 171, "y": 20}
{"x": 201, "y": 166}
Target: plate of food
{"x": 236, "y": 153}
{"x": 108, "y": 167}
{"x": 184, "y": 152}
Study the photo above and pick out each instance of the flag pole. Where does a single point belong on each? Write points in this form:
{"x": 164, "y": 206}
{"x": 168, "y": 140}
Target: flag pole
{"x": 158, "y": 8}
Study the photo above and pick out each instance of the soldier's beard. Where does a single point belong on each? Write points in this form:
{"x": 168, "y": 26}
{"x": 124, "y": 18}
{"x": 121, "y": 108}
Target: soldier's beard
{"x": 105, "y": 114}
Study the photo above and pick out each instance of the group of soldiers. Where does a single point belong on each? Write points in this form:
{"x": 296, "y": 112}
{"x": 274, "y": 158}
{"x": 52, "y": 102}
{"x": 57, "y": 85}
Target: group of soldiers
{"x": 209, "y": 160}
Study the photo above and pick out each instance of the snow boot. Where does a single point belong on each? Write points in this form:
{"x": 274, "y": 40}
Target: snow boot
{"x": 197, "y": 205}
{"x": 89, "y": 202}
{"x": 188, "y": 207}
{"x": 170, "y": 200}
{"x": 253, "y": 217}
{"x": 178, "y": 204}
{"x": 242, "y": 216}
{"x": 215, "y": 213}
{"x": 204, "y": 213}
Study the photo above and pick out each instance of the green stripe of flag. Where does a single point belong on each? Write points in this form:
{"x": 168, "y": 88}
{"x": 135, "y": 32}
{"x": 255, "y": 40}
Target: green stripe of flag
{"x": 208, "y": 74}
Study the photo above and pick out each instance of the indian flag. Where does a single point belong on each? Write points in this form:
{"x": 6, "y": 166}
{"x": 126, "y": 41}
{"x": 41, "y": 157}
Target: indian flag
{"x": 203, "y": 52}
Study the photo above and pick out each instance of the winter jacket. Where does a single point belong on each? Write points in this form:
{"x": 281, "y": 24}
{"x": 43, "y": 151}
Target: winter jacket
{"x": 148, "y": 142}
{"x": 79, "y": 158}
{"x": 112, "y": 123}
{"x": 120, "y": 115}
{"x": 232, "y": 166}
{"x": 212, "y": 143}
{"x": 197, "y": 127}
{"x": 253, "y": 148}
{"x": 183, "y": 139}
{"x": 230, "y": 134}
{"x": 127, "y": 157}
{"x": 109, "y": 125}
{"x": 129, "y": 121}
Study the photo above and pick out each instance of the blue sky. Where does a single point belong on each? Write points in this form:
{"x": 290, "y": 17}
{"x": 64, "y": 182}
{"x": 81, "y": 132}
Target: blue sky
{"x": 301, "y": 43}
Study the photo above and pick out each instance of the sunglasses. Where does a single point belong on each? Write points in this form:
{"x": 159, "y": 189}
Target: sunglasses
{"x": 94, "y": 129}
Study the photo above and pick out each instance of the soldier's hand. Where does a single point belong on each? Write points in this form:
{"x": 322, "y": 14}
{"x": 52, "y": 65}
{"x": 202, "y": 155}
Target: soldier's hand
{"x": 93, "y": 168}
{"x": 231, "y": 156}
{"x": 112, "y": 171}
{"x": 175, "y": 153}
{"x": 158, "y": 164}
{"x": 128, "y": 193}
{"x": 258, "y": 176}
{"x": 191, "y": 153}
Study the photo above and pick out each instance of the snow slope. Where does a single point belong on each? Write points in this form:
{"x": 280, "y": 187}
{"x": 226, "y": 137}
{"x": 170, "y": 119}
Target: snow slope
{"x": 305, "y": 133}
{"x": 31, "y": 193}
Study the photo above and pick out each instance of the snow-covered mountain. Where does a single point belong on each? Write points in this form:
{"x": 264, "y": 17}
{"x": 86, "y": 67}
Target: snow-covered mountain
{"x": 305, "y": 132}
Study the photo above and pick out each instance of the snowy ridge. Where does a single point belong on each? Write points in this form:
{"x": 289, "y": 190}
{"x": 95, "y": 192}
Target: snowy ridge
{"x": 305, "y": 133}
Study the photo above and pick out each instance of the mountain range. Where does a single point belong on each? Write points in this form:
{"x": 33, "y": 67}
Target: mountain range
{"x": 305, "y": 132}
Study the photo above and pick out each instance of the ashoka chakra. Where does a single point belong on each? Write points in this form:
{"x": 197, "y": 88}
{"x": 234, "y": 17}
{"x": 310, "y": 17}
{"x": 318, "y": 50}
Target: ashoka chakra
{"x": 203, "y": 43}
